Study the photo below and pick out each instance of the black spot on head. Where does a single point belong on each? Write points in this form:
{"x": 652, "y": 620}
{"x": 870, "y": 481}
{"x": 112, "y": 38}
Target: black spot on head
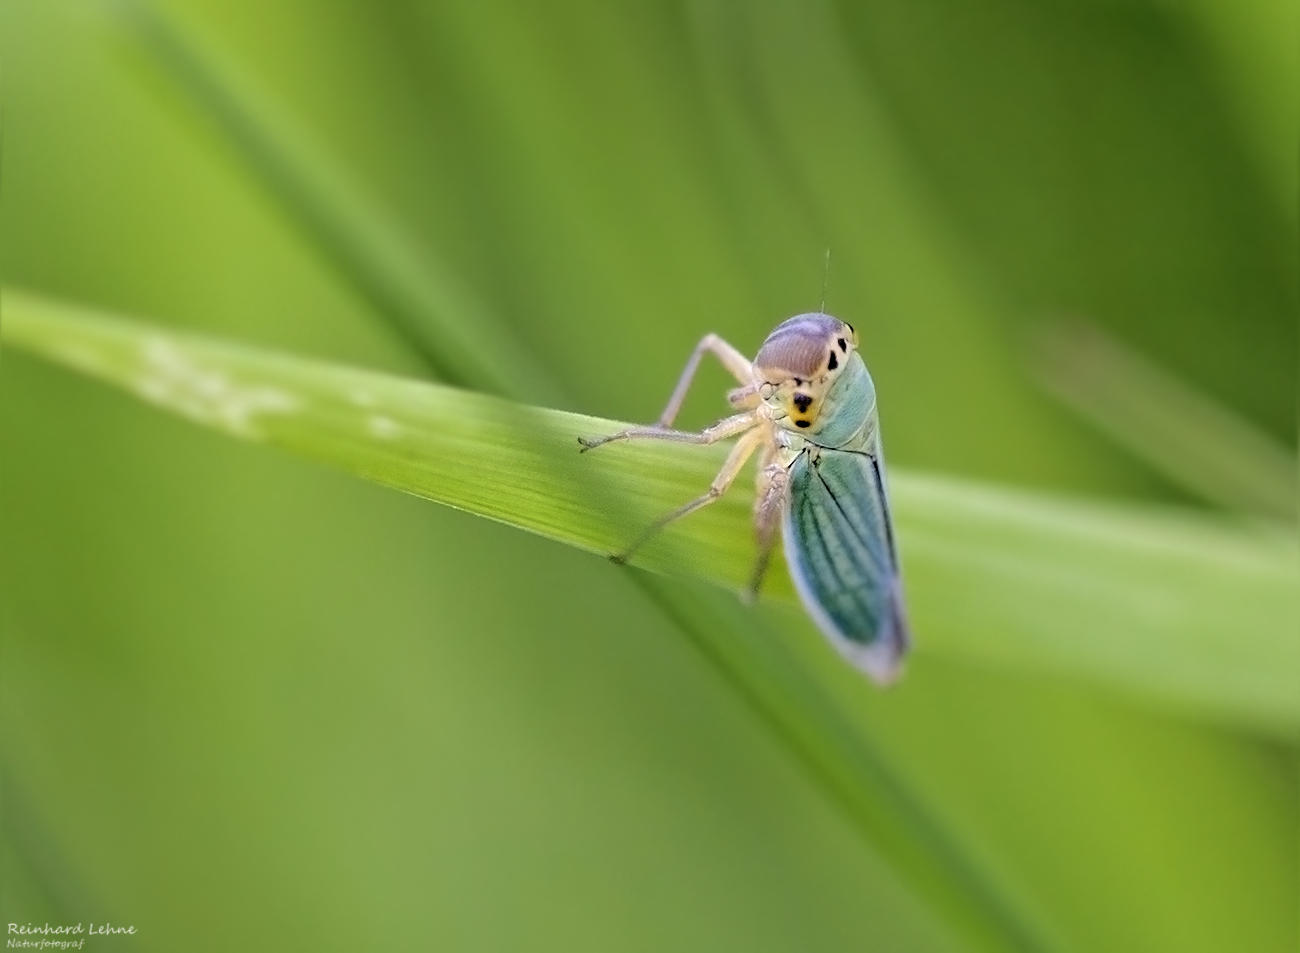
{"x": 833, "y": 363}
{"x": 803, "y": 423}
{"x": 843, "y": 347}
{"x": 798, "y": 382}
{"x": 802, "y": 401}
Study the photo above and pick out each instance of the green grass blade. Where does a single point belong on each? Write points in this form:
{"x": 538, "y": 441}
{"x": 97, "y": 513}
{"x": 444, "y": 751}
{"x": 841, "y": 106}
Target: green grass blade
{"x": 419, "y": 295}
{"x": 1194, "y": 611}
{"x": 757, "y": 659}
{"x": 1183, "y": 434}
{"x": 1170, "y": 607}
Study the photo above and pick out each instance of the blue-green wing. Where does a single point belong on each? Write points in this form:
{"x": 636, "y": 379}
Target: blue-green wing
{"x": 840, "y": 548}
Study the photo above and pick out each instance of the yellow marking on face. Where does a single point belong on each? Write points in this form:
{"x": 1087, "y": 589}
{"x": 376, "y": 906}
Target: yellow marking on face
{"x": 800, "y": 361}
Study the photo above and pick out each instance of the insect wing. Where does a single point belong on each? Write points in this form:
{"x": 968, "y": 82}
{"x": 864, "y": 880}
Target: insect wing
{"x": 839, "y": 546}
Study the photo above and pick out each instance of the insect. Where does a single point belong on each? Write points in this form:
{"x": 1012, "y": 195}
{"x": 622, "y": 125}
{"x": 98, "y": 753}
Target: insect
{"x": 807, "y": 406}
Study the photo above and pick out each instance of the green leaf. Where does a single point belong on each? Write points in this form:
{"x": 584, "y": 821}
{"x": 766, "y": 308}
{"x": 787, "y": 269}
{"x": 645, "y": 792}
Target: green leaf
{"x": 1168, "y": 606}
{"x": 1185, "y": 435}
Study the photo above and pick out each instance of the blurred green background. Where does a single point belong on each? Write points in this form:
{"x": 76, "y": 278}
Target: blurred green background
{"x": 250, "y": 704}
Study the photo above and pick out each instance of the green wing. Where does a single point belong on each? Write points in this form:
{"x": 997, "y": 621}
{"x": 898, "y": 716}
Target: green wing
{"x": 839, "y": 544}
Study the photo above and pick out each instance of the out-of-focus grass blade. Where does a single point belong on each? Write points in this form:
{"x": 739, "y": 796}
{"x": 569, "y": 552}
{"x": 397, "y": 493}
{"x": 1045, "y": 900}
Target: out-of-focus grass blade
{"x": 1194, "y": 611}
{"x": 406, "y": 283}
{"x": 761, "y": 664}
{"x": 1197, "y": 611}
{"x": 1185, "y": 435}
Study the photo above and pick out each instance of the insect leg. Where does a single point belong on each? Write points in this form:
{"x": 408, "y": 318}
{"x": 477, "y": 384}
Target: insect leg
{"x": 744, "y": 398}
{"x": 731, "y": 359}
{"x": 726, "y": 476}
{"x": 769, "y": 505}
{"x": 723, "y": 429}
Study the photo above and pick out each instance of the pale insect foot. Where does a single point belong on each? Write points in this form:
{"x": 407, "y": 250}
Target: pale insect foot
{"x": 591, "y": 443}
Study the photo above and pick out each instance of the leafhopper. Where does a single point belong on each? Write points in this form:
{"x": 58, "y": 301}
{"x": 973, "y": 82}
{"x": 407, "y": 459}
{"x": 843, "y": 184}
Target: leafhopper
{"x": 807, "y": 406}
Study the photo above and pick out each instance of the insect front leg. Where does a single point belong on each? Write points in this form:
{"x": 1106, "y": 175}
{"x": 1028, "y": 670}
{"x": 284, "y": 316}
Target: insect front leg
{"x": 723, "y": 429}
{"x": 769, "y": 506}
{"x": 726, "y": 476}
{"x": 735, "y": 362}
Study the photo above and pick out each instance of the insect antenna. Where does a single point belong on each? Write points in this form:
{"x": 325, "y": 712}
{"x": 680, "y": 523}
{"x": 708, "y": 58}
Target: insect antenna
{"x": 826, "y": 277}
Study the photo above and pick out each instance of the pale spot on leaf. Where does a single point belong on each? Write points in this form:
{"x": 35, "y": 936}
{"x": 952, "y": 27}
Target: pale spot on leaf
{"x": 173, "y": 379}
{"x": 385, "y": 428}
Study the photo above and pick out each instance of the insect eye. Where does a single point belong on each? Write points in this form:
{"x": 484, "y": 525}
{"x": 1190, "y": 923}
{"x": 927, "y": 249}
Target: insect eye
{"x": 766, "y": 390}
